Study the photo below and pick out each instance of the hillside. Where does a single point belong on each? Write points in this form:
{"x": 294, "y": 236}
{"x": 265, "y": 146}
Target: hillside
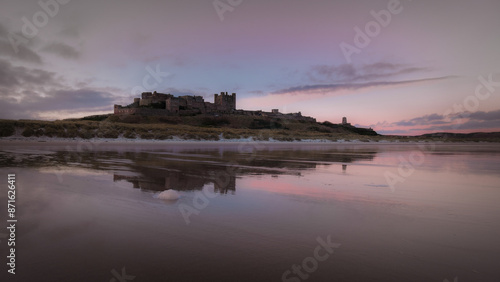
{"x": 199, "y": 127}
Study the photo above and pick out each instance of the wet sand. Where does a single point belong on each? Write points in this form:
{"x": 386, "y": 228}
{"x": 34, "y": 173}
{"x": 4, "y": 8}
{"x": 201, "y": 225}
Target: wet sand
{"x": 259, "y": 210}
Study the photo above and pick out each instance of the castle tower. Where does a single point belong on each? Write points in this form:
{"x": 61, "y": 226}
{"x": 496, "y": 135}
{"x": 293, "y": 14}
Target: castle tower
{"x": 225, "y": 102}
{"x": 344, "y": 121}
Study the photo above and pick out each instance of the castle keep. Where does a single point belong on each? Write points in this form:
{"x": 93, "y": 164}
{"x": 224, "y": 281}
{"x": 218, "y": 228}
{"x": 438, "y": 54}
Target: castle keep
{"x": 159, "y": 104}
{"x": 166, "y": 104}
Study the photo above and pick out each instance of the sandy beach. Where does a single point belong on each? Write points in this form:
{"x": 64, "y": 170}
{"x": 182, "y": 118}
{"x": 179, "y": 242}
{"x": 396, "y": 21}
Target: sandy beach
{"x": 253, "y": 212}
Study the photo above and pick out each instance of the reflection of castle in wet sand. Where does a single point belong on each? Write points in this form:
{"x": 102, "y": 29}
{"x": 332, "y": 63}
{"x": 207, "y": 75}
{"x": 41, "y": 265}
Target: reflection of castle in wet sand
{"x": 178, "y": 181}
{"x": 193, "y": 171}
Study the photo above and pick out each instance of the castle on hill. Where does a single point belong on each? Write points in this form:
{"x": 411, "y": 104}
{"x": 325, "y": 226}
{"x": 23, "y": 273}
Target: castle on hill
{"x": 159, "y": 104}
{"x": 167, "y": 104}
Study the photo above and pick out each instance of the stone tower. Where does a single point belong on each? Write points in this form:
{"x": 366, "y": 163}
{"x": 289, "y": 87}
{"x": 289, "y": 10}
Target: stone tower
{"x": 225, "y": 102}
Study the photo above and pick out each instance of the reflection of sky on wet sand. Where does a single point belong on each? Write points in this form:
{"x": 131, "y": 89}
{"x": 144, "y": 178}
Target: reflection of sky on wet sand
{"x": 96, "y": 212}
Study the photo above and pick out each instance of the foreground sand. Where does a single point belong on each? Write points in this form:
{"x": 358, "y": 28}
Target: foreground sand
{"x": 78, "y": 221}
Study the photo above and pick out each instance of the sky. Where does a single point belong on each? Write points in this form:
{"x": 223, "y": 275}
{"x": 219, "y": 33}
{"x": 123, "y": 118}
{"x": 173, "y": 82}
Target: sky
{"x": 399, "y": 67}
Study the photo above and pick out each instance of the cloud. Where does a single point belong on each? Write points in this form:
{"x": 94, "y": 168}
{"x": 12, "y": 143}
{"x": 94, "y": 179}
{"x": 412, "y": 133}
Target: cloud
{"x": 435, "y": 119}
{"x": 350, "y": 72}
{"x": 469, "y": 121}
{"x": 3, "y": 31}
{"x": 73, "y": 99}
{"x": 32, "y": 92}
{"x": 382, "y": 66}
{"x": 331, "y": 72}
{"x": 485, "y": 116}
{"x": 256, "y": 92}
{"x": 11, "y": 76}
{"x": 71, "y": 30}
{"x": 423, "y": 120}
{"x": 470, "y": 125}
{"x": 329, "y": 88}
{"x": 81, "y": 100}
{"x": 24, "y": 53}
{"x": 61, "y": 49}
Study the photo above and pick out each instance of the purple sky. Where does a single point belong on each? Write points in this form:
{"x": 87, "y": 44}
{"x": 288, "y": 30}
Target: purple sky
{"x": 415, "y": 72}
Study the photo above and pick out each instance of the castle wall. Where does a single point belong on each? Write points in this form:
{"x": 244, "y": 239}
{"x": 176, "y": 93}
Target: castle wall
{"x": 192, "y": 105}
{"x": 223, "y": 103}
{"x": 124, "y": 111}
{"x": 146, "y": 95}
{"x": 210, "y": 107}
{"x": 182, "y": 103}
{"x": 154, "y": 97}
{"x": 172, "y": 105}
{"x": 195, "y": 103}
{"x": 145, "y": 102}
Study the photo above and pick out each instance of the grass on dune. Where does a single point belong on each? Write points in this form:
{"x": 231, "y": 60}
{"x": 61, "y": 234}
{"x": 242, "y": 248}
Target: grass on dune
{"x": 193, "y": 128}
